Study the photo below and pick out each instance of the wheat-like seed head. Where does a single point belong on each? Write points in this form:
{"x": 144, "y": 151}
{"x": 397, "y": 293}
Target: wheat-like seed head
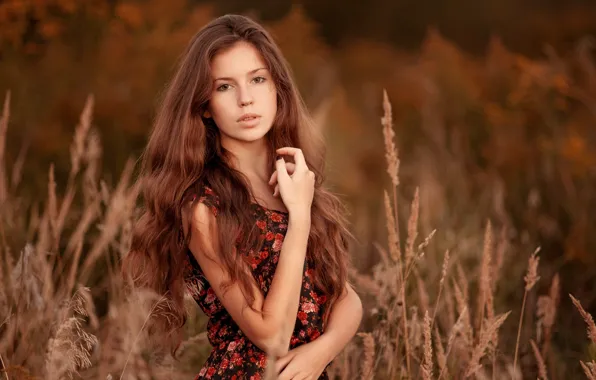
{"x": 412, "y": 227}
{"x": 489, "y": 329}
{"x": 532, "y": 277}
{"x": 484, "y": 282}
{"x": 422, "y": 246}
{"x": 427, "y": 365}
{"x": 389, "y": 134}
{"x": 444, "y": 267}
{"x": 587, "y": 318}
{"x": 392, "y": 233}
{"x": 77, "y": 148}
{"x": 369, "y": 355}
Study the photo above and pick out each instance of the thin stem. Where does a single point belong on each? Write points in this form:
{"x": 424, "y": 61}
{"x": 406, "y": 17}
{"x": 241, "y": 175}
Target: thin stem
{"x": 402, "y": 286}
{"x": 405, "y": 327}
{"x": 396, "y": 220}
{"x": 521, "y": 316}
{"x": 432, "y": 322}
{"x": 3, "y": 368}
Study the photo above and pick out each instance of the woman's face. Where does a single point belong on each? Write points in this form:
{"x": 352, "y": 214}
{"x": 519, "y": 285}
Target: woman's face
{"x": 243, "y": 100}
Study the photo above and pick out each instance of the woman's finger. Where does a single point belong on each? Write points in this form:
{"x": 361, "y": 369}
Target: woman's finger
{"x": 296, "y": 153}
{"x": 282, "y": 173}
{"x": 276, "y": 191}
{"x": 290, "y": 168}
{"x": 288, "y": 373}
{"x": 282, "y": 362}
{"x": 273, "y": 178}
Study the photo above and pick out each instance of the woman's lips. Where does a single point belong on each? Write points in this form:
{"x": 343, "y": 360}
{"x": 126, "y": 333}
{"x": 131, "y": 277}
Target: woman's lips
{"x": 250, "y": 121}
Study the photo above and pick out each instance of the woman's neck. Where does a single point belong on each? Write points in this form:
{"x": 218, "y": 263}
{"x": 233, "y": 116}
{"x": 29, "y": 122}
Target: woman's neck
{"x": 250, "y": 158}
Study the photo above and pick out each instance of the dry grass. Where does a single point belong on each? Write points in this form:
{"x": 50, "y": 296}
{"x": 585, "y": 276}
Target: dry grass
{"x": 50, "y": 327}
{"x": 467, "y": 347}
{"x": 587, "y": 318}
{"x": 427, "y": 366}
{"x": 531, "y": 278}
{"x": 539, "y": 361}
{"x": 369, "y": 355}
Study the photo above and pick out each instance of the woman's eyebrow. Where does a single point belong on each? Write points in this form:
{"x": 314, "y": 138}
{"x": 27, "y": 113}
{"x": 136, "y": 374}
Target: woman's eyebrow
{"x": 249, "y": 73}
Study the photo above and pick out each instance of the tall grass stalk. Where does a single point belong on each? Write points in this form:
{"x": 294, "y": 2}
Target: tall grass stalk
{"x": 530, "y": 279}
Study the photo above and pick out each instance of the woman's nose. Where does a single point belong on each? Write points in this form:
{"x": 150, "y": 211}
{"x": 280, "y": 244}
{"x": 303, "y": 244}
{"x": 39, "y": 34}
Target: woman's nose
{"x": 244, "y": 103}
{"x": 244, "y": 97}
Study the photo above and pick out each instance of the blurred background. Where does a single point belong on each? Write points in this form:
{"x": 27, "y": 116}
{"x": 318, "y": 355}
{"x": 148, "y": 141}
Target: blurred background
{"x": 494, "y": 109}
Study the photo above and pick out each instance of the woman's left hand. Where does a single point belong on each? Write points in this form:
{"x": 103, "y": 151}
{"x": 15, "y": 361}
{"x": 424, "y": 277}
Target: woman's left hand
{"x": 305, "y": 362}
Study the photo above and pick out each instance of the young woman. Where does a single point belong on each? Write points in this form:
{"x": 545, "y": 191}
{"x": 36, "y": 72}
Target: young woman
{"x": 236, "y": 214}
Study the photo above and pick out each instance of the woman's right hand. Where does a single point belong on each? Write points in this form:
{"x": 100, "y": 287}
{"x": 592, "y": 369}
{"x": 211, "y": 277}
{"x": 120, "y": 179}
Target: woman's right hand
{"x": 296, "y": 190}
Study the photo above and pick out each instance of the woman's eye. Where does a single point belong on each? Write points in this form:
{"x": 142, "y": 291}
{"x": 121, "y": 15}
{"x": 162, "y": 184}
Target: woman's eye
{"x": 259, "y": 79}
{"x": 223, "y": 87}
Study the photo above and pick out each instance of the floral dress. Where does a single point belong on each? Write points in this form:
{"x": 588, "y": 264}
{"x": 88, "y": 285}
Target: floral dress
{"x": 234, "y": 356}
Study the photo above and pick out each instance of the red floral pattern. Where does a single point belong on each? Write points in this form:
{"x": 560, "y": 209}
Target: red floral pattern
{"x": 234, "y": 356}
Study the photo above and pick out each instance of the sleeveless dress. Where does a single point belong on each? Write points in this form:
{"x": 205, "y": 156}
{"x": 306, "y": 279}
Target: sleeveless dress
{"x": 234, "y": 356}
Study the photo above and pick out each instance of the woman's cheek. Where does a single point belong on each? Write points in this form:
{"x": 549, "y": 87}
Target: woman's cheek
{"x": 219, "y": 105}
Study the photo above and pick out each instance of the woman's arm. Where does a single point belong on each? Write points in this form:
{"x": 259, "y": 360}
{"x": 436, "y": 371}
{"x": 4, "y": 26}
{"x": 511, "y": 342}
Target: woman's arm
{"x": 267, "y": 325}
{"x": 283, "y": 297}
{"x": 343, "y": 323}
{"x": 309, "y": 360}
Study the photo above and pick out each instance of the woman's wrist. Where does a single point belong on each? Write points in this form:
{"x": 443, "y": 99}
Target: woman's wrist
{"x": 299, "y": 216}
{"x": 327, "y": 348}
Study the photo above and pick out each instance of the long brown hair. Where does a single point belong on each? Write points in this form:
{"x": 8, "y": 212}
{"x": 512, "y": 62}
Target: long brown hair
{"x": 184, "y": 152}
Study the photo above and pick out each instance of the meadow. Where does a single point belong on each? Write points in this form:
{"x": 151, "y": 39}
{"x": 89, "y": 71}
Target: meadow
{"x": 422, "y": 329}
